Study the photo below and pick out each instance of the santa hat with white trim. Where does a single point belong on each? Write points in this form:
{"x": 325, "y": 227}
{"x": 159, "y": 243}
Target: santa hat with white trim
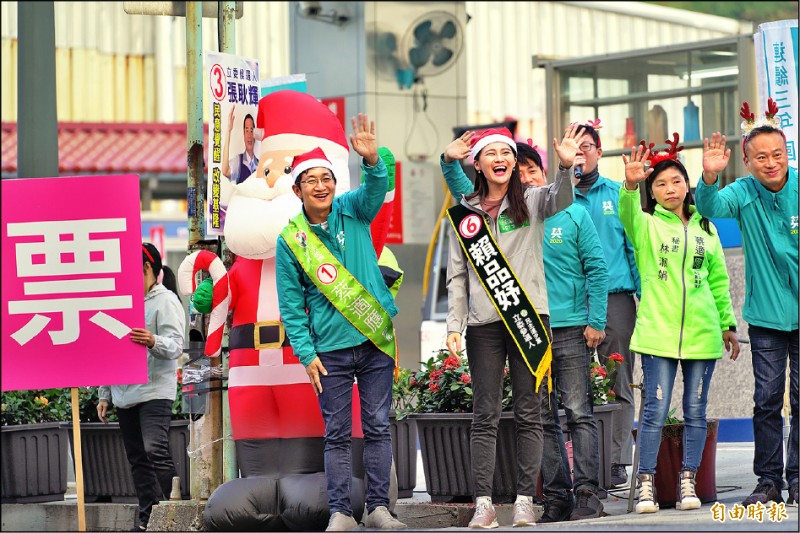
{"x": 313, "y": 159}
{"x": 489, "y": 136}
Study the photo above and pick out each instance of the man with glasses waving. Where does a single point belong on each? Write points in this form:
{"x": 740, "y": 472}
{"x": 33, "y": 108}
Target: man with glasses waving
{"x": 337, "y": 311}
{"x": 600, "y": 195}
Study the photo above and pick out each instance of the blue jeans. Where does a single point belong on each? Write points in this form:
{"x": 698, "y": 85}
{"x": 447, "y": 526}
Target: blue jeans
{"x": 571, "y": 361}
{"x": 375, "y": 372}
{"x": 488, "y": 346}
{"x": 770, "y": 348}
{"x": 659, "y": 377}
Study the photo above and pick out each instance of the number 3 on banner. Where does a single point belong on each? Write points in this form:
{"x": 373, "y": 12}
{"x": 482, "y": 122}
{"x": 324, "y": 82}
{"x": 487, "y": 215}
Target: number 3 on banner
{"x": 470, "y": 226}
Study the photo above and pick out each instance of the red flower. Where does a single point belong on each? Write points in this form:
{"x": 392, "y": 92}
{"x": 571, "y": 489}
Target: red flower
{"x": 611, "y": 394}
{"x": 412, "y": 382}
{"x": 436, "y": 374}
{"x": 452, "y": 362}
{"x": 180, "y": 375}
{"x": 616, "y": 357}
{"x": 465, "y": 378}
{"x": 434, "y": 386}
{"x": 505, "y": 371}
{"x": 600, "y": 371}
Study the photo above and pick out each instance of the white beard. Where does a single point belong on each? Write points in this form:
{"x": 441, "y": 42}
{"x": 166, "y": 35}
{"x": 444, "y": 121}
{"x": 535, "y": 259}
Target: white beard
{"x": 256, "y": 215}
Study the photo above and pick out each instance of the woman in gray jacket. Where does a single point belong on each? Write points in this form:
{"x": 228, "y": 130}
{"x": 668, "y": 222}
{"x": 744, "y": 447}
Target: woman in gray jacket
{"x": 145, "y": 410}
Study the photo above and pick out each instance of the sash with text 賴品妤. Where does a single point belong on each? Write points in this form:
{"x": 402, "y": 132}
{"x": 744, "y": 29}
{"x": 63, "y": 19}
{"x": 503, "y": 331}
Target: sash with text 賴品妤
{"x": 504, "y": 290}
{"x": 340, "y": 287}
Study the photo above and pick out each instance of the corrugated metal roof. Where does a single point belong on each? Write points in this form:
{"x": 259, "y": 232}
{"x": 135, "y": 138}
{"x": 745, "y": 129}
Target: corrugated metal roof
{"x": 113, "y": 148}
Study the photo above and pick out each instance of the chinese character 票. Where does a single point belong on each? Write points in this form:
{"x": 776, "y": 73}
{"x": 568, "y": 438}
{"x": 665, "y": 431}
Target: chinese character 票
{"x": 67, "y": 250}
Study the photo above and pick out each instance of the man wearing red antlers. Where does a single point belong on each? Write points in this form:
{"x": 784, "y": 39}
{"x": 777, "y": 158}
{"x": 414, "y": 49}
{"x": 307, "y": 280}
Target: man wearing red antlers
{"x": 765, "y": 206}
{"x": 685, "y": 313}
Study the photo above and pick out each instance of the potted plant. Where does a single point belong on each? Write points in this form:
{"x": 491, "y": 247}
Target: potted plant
{"x": 106, "y": 471}
{"x": 442, "y": 409}
{"x": 404, "y": 433}
{"x": 34, "y": 445}
{"x": 670, "y": 460}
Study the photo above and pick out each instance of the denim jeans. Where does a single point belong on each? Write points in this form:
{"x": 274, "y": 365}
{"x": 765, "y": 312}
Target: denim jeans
{"x": 145, "y": 434}
{"x": 659, "y": 377}
{"x": 770, "y": 348}
{"x": 374, "y": 371}
{"x": 571, "y": 360}
{"x": 487, "y": 347}
{"x": 621, "y": 319}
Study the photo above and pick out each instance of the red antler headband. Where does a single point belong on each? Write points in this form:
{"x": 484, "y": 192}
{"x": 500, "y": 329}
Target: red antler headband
{"x": 672, "y": 153}
{"x": 768, "y": 119}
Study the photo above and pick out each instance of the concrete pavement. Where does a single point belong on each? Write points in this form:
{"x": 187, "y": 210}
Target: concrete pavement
{"x": 735, "y": 481}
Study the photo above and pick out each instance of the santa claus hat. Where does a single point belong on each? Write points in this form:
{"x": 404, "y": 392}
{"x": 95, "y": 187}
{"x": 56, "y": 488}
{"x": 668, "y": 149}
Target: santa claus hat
{"x": 288, "y": 114}
{"x": 313, "y": 159}
{"x": 489, "y": 136}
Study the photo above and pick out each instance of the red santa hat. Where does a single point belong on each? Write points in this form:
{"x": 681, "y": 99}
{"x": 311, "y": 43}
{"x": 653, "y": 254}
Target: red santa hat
{"x": 290, "y": 114}
{"x": 313, "y": 159}
{"x": 489, "y": 136}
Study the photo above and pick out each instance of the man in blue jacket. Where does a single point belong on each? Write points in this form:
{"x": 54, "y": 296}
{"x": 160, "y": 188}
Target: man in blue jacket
{"x": 765, "y": 206}
{"x": 600, "y": 195}
{"x": 576, "y": 274}
{"x": 337, "y": 311}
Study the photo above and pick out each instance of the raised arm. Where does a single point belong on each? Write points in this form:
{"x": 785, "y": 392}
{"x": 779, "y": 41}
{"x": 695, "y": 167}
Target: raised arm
{"x": 630, "y": 202}
{"x": 710, "y": 201}
{"x": 367, "y": 200}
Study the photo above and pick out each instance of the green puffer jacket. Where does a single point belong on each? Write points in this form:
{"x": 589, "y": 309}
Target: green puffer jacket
{"x": 686, "y": 304}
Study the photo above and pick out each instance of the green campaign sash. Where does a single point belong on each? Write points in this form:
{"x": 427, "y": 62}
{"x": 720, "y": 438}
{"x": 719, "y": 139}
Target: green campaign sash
{"x": 340, "y": 287}
{"x": 504, "y": 290}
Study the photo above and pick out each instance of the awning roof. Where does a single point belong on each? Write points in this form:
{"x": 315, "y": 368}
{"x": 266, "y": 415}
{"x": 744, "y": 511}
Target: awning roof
{"x": 111, "y": 148}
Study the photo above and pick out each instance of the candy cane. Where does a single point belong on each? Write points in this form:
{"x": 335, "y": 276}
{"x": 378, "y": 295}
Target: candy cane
{"x": 221, "y": 297}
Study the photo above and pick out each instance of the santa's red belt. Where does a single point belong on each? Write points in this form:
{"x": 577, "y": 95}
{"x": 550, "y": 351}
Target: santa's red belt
{"x": 258, "y": 335}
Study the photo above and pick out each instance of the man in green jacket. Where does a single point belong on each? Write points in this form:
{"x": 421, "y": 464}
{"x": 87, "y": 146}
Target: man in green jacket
{"x": 337, "y": 312}
{"x": 765, "y": 206}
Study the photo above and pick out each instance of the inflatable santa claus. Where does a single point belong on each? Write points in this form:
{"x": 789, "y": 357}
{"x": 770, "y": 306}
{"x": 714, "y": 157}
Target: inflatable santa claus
{"x": 275, "y": 418}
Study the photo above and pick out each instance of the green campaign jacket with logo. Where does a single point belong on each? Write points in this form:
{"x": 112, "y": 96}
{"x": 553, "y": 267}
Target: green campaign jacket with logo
{"x": 575, "y": 268}
{"x": 600, "y": 201}
{"x": 768, "y": 222}
{"x": 324, "y": 328}
{"x": 686, "y": 303}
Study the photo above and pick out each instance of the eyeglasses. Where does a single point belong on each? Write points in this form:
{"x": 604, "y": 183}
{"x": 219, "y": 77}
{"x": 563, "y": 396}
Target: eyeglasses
{"x": 587, "y": 147}
{"x": 313, "y": 182}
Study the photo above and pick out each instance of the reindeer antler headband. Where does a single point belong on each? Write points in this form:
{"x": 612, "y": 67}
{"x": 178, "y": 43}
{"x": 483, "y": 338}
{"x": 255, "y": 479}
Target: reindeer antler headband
{"x": 672, "y": 153}
{"x": 769, "y": 118}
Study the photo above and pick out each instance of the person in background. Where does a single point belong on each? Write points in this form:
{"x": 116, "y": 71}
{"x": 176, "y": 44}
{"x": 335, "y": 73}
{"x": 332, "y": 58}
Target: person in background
{"x": 685, "y": 314}
{"x": 337, "y": 311}
{"x": 502, "y": 210}
{"x": 600, "y": 195}
{"x": 764, "y": 205}
{"x": 145, "y": 410}
{"x": 576, "y": 274}
{"x": 239, "y": 167}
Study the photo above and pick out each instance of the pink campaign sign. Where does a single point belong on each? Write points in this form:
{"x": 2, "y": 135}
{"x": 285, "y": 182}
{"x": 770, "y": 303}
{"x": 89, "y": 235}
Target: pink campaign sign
{"x": 72, "y": 282}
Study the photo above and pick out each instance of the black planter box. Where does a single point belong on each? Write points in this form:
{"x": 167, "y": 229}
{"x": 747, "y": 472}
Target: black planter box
{"x": 106, "y": 471}
{"x": 404, "y": 451}
{"x": 34, "y": 463}
{"x": 444, "y": 443}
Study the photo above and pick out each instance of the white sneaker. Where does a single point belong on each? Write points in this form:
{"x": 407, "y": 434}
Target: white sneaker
{"x": 687, "y": 499}
{"x": 381, "y": 518}
{"x": 523, "y": 512}
{"x": 485, "y": 516}
{"x": 647, "y": 495}
{"x": 341, "y": 522}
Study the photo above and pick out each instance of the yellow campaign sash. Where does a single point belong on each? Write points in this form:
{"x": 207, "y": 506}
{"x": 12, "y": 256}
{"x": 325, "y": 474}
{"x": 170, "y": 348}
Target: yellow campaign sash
{"x": 504, "y": 290}
{"x": 340, "y": 287}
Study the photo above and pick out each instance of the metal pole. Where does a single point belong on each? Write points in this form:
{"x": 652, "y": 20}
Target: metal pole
{"x": 227, "y": 44}
{"x": 206, "y": 465}
{"x": 37, "y": 121}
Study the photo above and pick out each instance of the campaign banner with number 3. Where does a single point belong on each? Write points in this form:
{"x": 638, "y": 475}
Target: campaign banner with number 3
{"x": 232, "y": 147}
{"x": 73, "y": 283}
